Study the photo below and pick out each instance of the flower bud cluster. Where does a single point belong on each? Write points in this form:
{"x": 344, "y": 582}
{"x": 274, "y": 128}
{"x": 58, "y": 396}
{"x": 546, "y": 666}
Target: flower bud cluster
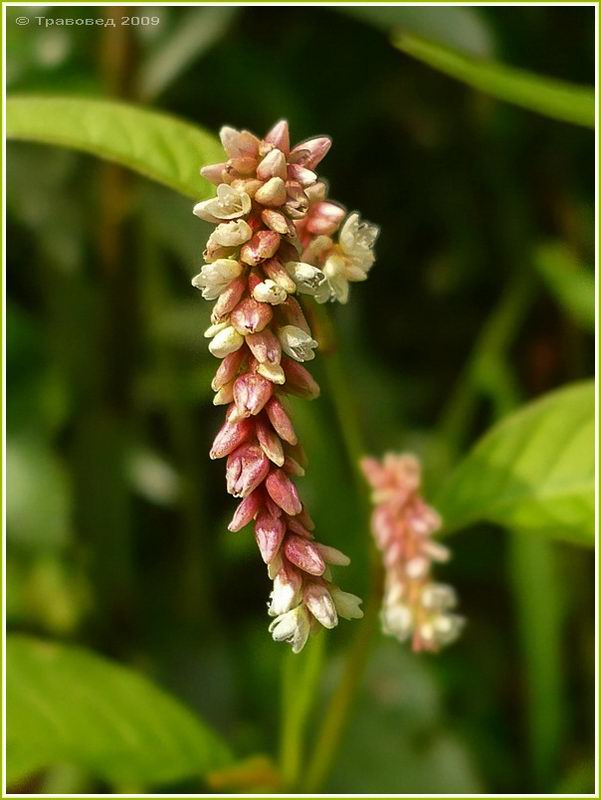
{"x": 414, "y": 606}
{"x": 269, "y": 210}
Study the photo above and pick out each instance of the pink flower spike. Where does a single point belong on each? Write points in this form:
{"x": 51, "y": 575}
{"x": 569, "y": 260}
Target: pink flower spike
{"x": 251, "y": 392}
{"x": 250, "y": 316}
{"x": 269, "y": 532}
{"x": 246, "y": 468}
{"x": 304, "y": 554}
{"x": 283, "y": 492}
{"x": 270, "y": 442}
{"x": 231, "y": 436}
{"x": 280, "y": 421}
{"x": 247, "y": 510}
{"x": 279, "y": 136}
{"x": 311, "y": 152}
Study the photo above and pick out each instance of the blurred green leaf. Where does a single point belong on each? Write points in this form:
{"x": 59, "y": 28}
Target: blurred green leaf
{"x": 160, "y": 147}
{"x": 453, "y": 26}
{"x": 534, "y": 471}
{"x": 67, "y": 705}
{"x": 553, "y": 98}
{"x": 38, "y": 501}
{"x": 571, "y": 284}
{"x": 196, "y": 31}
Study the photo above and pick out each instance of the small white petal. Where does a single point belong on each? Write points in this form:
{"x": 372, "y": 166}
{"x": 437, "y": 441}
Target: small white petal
{"x": 273, "y": 373}
{"x": 293, "y": 627}
{"x": 225, "y": 342}
{"x": 230, "y": 234}
{"x": 269, "y": 292}
{"x": 333, "y": 556}
{"x": 308, "y": 279}
{"x": 297, "y": 343}
{"x": 347, "y": 604}
{"x": 320, "y": 603}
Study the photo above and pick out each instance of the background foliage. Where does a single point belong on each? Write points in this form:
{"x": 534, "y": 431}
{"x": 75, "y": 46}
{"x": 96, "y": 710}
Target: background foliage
{"x": 482, "y": 299}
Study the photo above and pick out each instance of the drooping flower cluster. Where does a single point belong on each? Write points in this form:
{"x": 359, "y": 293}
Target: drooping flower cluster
{"x": 273, "y": 241}
{"x": 414, "y": 606}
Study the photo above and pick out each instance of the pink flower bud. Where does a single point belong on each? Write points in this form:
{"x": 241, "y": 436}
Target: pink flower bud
{"x": 279, "y": 136}
{"x": 277, "y": 222}
{"x": 296, "y": 527}
{"x": 215, "y": 173}
{"x": 228, "y": 369}
{"x": 299, "y": 381}
{"x": 265, "y": 347}
{"x": 293, "y": 314}
{"x": 301, "y": 175}
{"x": 269, "y": 532}
{"x": 263, "y": 245}
{"x": 250, "y": 316}
{"x": 280, "y": 421}
{"x": 225, "y": 395}
{"x": 272, "y": 193}
{"x": 324, "y": 218}
{"x": 272, "y": 166}
{"x": 246, "y": 468}
{"x": 247, "y": 510}
{"x": 311, "y": 152}
{"x": 230, "y": 436}
{"x": 244, "y": 165}
{"x": 228, "y": 299}
{"x": 283, "y": 492}
{"x": 275, "y": 270}
{"x": 292, "y": 467}
{"x": 304, "y": 554}
{"x": 270, "y": 442}
{"x": 251, "y": 392}
{"x": 238, "y": 143}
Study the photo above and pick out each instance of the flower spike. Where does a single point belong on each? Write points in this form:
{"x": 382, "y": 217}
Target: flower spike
{"x": 414, "y": 607}
{"x": 274, "y": 240}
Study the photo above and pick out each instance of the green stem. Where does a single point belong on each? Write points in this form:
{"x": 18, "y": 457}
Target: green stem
{"x": 299, "y": 685}
{"x": 336, "y": 715}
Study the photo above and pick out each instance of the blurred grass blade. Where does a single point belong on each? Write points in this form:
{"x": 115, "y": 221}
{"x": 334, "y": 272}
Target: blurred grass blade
{"x": 196, "y": 31}
{"x": 534, "y": 471}
{"x": 553, "y": 98}
{"x": 538, "y": 613}
{"x": 571, "y": 284}
{"x": 160, "y": 147}
{"x": 66, "y": 705}
{"x": 453, "y": 26}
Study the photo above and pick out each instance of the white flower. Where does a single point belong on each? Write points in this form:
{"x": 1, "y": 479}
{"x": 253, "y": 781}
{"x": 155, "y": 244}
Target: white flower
{"x": 230, "y": 234}
{"x": 229, "y": 204}
{"x": 226, "y": 341}
{"x": 269, "y": 292}
{"x": 438, "y": 597}
{"x": 397, "y": 620}
{"x": 296, "y": 343}
{"x": 320, "y": 603}
{"x": 335, "y": 270}
{"x": 214, "y": 278}
{"x": 273, "y": 373}
{"x": 213, "y": 330}
{"x": 347, "y": 604}
{"x": 308, "y": 279}
{"x": 285, "y": 594}
{"x": 358, "y": 238}
{"x": 447, "y": 628}
{"x": 293, "y": 627}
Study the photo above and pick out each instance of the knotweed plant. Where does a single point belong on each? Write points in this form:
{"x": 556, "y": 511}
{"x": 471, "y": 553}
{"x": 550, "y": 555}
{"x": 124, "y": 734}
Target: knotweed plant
{"x": 275, "y": 239}
{"x": 414, "y": 606}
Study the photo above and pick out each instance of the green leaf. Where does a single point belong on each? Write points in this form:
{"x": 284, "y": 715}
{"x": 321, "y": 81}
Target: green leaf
{"x": 534, "y": 471}
{"x": 158, "y": 146}
{"x": 553, "y": 98}
{"x": 453, "y": 26}
{"x": 571, "y": 284}
{"x": 66, "y": 705}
